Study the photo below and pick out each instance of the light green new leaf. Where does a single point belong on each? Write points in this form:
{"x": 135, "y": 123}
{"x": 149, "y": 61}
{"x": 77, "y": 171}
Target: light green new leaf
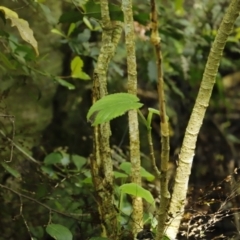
{"x": 59, "y": 232}
{"x": 112, "y": 106}
{"x": 76, "y": 68}
{"x": 22, "y": 26}
{"x": 137, "y": 191}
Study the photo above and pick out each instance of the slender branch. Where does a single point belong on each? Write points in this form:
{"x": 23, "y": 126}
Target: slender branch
{"x": 202, "y": 101}
{"x": 69, "y": 215}
{"x": 132, "y": 114}
{"x": 101, "y": 162}
{"x": 19, "y": 148}
{"x": 165, "y": 196}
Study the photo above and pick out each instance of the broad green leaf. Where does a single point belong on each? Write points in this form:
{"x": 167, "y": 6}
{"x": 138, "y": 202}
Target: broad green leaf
{"x": 79, "y": 161}
{"x": 145, "y": 174}
{"x": 22, "y": 26}
{"x": 64, "y": 83}
{"x": 12, "y": 171}
{"x": 112, "y": 106}
{"x": 76, "y": 68}
{"x": 137, "y": 191}
{"x": 83, "y": 76}
{"x": 120, "y": 175}
{"x": 53, "y": 158}
{"x": 126, "y": 167}
{"x": 59, "y": 232}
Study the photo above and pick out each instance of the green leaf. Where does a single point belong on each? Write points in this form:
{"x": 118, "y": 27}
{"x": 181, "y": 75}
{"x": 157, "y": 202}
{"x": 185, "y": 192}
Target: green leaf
{"x": 126, "y": 167}
{"x": 76, "y": 67}
{"x": 64, "y": 83}
{"x": 120, "y": 175}
{"x": 6, "y": 62}
{"x": 88, "y": 23}
{"x": 87, "y": 180}
{"x": 24, "y": 30}
{"x": 79, "y": 161}
{"x": 137, "y": 191}
{"x": 12, "y": 171}
{"x": 58, "y": 32}
{"x": 71, "y": 29}
{"x": 112, "y": 106}
{"x": 145, "y": 174}
{"x": 59, "y": 232}
{"x": 53, "y": 158}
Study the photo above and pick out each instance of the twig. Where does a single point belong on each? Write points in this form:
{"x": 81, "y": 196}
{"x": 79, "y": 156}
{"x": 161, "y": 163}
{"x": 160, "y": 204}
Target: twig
{"x": 70, "y": 215}
{"x": 19, "y": 148}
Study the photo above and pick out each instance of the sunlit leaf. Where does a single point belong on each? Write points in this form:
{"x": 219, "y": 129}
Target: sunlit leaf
{"x": 112, "y": 106}
{"x": 22, "y": 26}
{"x": 76, "y": 68}
{"x": 59, "y": 232}
{"x": 137, "y": 191}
